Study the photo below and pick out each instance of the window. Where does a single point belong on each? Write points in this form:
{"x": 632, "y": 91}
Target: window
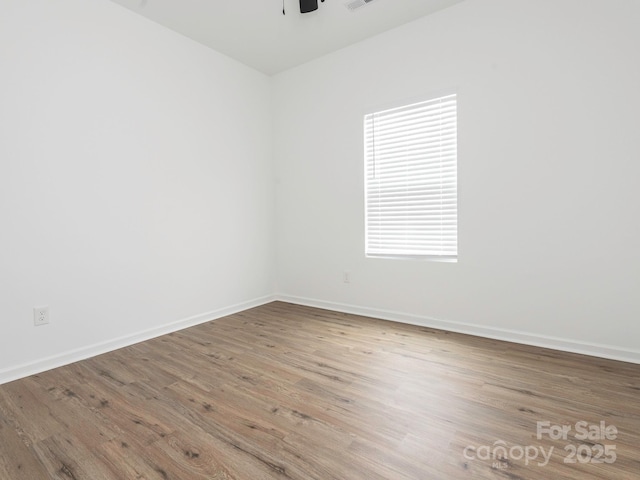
{"x": 411, "y": 180}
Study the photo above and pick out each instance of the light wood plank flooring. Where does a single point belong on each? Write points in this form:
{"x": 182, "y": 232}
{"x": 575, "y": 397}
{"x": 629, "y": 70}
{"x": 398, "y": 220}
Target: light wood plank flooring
{"x": 290, "y": 392}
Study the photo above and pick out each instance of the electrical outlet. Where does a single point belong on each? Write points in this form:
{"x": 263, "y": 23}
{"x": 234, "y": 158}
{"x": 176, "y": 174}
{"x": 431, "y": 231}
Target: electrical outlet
{"x": 346, "y": 277}
{"x": 40, "y": 316}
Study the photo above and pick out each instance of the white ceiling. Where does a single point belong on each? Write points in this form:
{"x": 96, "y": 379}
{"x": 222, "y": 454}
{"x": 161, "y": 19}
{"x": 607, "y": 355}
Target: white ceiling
{"x": 257, "y": 34}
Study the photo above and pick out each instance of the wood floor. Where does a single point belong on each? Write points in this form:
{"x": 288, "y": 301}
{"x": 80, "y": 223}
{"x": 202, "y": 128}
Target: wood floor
{"x": 289, "y": 392}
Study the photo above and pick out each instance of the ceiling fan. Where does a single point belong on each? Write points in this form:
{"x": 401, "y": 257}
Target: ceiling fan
{"x": 307, "y": 6}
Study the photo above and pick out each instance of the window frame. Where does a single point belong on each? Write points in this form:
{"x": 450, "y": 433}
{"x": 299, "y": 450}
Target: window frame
{"x": 407, "y": 103}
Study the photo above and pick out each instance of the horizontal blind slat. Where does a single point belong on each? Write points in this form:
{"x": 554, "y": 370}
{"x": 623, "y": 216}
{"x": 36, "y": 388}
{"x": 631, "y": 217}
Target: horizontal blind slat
{"x": 411, "y": 179}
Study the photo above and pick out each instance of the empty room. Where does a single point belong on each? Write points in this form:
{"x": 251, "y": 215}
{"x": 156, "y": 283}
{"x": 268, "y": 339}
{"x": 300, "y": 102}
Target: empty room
{"x": 319, "y": 240}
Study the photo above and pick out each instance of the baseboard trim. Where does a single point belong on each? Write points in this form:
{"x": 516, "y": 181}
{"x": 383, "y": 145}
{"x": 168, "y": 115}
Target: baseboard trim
{"x": 594, "y": 350}
{"x": 66, "y": 358}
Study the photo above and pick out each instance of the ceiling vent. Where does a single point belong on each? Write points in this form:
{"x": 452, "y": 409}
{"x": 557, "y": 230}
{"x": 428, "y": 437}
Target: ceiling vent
{"x": 356, "y": 4}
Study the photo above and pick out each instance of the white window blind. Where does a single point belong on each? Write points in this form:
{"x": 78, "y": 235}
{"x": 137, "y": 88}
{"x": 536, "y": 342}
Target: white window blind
{"x": 411, "y": 180}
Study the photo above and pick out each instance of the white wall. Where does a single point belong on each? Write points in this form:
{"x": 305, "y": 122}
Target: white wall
{"x": 135, "y": 181}
{"x": 136, "y": 177}
{"x": 549, "y": 150}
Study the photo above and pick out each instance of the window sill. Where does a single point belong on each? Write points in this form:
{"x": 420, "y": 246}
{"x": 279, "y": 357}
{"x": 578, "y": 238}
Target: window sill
{"x": 428, "y": 258}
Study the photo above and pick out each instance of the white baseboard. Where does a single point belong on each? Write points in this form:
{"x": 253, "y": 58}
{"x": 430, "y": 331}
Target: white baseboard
{"x": 595, "y": 350}
{"x": 65, "y": 358}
